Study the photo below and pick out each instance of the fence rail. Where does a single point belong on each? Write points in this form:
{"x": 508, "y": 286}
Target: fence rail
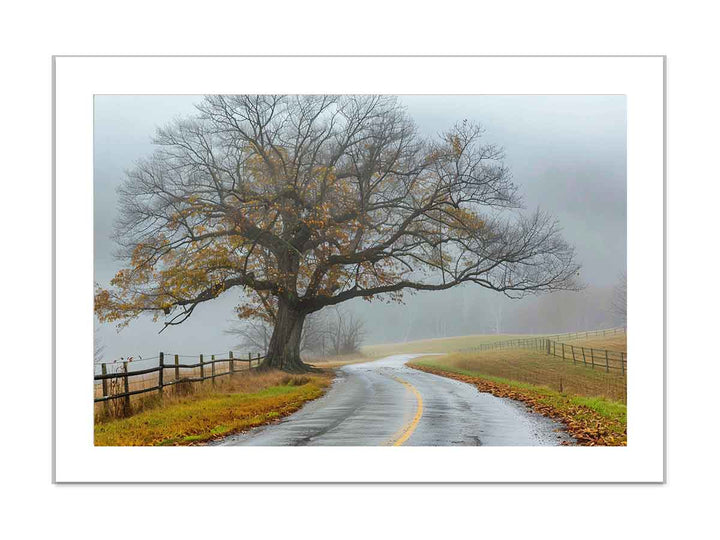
{"x": 536, "y": 342}
{"x": 126, "y": 375}
{"x": 586, "y": 356}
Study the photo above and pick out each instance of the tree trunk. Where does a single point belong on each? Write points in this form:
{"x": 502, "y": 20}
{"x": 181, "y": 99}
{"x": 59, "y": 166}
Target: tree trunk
{"x": 284, "y": 348}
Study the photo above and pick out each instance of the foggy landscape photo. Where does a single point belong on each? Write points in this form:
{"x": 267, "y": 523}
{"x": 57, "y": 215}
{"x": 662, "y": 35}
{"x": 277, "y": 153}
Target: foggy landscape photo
{"x": 360, "y": 270}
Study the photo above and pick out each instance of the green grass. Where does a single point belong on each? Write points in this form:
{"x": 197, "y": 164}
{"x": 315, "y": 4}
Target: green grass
{"x": 208, "y": 416}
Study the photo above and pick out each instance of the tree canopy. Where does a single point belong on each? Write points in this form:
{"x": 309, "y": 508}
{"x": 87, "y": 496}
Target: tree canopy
{"x": 303, "y": 202}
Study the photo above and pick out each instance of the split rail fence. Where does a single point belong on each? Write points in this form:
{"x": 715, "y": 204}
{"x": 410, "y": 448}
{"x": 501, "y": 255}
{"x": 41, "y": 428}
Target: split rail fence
{"x": 123, "y": 372}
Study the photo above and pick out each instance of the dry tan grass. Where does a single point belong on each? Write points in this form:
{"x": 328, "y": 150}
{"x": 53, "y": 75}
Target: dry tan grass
{"x": 535, "y": 367}
{"x": 617, "y": 343}
{"x": 246, "y": 401}
{"x": 454, "y": 344}
{"x": 437, "y": 345}
{"x": 246, "y": 381}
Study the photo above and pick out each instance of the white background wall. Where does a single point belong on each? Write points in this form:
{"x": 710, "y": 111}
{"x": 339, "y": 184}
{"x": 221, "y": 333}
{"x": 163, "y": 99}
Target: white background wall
{"x": 685, "y": 506}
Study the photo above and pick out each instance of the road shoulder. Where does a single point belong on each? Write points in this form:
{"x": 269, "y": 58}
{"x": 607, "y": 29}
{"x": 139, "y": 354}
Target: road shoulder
{"x": 581, "y": 420}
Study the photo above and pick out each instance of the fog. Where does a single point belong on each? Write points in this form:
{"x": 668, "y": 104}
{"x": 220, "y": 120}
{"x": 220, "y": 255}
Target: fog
{"x": 567, "y": 155}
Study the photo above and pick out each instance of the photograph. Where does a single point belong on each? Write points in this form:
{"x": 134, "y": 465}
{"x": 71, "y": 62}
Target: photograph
{"x": 352, "y": 270}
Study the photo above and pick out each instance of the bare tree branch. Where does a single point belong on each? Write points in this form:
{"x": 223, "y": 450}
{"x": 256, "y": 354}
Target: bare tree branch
{"x": 304, "y": 202}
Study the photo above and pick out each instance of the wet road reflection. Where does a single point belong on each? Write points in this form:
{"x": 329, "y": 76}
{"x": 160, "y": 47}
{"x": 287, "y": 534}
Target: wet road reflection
{"x": 384, "y": 402}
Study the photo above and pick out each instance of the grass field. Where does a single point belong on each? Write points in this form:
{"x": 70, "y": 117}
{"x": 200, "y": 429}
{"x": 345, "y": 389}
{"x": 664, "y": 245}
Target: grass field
{"x": 438, "y": 345}
{"x": 246, "y": 400}
{"x": 537, "y": 368}
{"x": 617, "y": 343}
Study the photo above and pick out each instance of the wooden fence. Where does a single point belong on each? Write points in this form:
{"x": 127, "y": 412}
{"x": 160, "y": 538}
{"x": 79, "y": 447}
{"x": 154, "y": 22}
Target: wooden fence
{"x": 586, "y": 356}
{"x": 208, "y": 370}
{"x": 539, "y": 341}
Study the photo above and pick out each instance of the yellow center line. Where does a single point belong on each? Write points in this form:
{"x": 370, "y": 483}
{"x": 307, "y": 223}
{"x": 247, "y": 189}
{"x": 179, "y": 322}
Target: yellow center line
{"x": 408, "y": 430}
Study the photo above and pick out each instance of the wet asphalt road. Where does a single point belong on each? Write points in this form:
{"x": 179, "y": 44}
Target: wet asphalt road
{"x": 385, "y": 402}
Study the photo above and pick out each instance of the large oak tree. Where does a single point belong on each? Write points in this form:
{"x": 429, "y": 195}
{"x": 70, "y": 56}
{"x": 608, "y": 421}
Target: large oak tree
{"x": 302, "y": 202}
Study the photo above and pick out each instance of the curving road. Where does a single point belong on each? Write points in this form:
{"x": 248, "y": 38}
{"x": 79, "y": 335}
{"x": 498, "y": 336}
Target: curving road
{"x": 387, "y": 403}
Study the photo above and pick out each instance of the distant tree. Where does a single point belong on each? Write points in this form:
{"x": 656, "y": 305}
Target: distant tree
{"x": 344, "y": 332}
{"x": 313, "y": 332}
{"x": 332, "y": 332}
{"x": 305, "y": 202}
{"x": 255, "y": 333}
{"x": 618, "y": 304}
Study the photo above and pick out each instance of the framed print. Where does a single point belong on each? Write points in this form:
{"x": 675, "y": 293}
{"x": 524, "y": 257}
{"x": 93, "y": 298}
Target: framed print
{"x": 433, "y": 269}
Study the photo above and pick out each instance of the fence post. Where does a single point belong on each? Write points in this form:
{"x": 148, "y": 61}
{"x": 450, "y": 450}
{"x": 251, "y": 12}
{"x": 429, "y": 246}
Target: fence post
{"x": 584, "y": 360}
{"x": 592, "y": 357}
{"x": 126, "y": 400}
{"x": 232, "y": 363}
{"x": 161, "y": 373}
{"x": 258, "y": 361}
{"x": 607, "y": 366}
{"x": 202, "y": 368}
{"x": 548, "y": 346}
{"x": 212, "y": 370}
{"x": 106, "y": 405}
{"x": 622, "y": 362}
{"x": 572, "y": 349}
{"x": 563, "y": 350}
{"x": 249, "y": 361}
{"x": 177, "y": 368}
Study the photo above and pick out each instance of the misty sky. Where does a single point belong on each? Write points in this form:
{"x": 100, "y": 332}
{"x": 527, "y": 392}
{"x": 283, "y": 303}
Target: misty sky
{"x": 567, "y": 154}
